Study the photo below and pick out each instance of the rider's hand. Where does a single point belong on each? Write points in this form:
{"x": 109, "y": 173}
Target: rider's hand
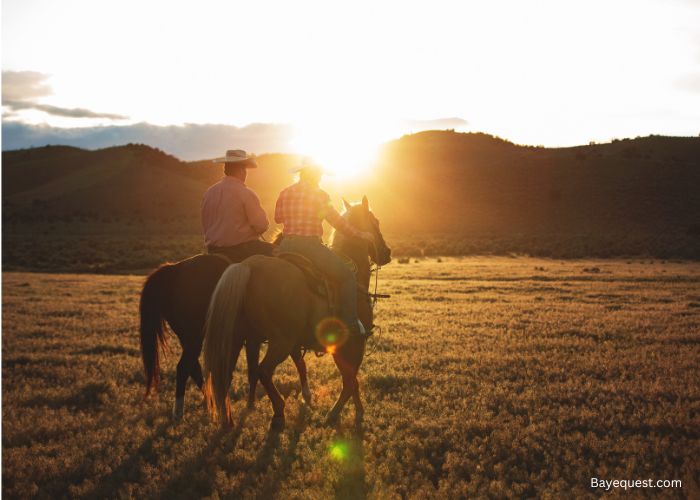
{"x": 368, "y": 236}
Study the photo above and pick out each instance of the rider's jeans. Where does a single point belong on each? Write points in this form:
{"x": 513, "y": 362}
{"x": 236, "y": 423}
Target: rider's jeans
{"x": 331, "y": 265}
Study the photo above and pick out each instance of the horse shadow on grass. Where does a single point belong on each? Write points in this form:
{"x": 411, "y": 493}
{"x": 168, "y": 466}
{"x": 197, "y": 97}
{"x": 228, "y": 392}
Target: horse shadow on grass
{"x": 349, "y": 451}
{"x": 129, "y": 471}
{"x": 190, "y": 472}
{"x": 271, "y": 450}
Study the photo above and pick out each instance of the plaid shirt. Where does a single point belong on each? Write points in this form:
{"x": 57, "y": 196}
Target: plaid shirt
{"x": 302, "y": 207}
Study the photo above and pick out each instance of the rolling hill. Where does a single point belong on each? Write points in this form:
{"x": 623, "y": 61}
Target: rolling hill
{"x": 431, "y": 181}
{"x": 436, "y": 184}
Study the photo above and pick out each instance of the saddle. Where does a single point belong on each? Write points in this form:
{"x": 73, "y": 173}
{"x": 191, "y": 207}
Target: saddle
{"x": 316, "y": 282}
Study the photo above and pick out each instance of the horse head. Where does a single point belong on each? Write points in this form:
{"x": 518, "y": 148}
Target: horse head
{"x": 364, "y": 219}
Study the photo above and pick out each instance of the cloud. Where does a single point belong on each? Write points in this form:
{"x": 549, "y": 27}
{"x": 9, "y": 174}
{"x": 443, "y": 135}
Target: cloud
{"x": 24, "y": 85}
{"x": 188, "y": 142}
{"x": 56, "y": 111}
{"x": 20, "y": 89}
{"x": 439, "y": 124}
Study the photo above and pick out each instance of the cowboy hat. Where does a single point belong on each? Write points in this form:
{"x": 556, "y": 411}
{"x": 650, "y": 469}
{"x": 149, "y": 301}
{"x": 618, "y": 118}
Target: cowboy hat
{"x": 235, "y": 156}
{"x": 310, "y": 161}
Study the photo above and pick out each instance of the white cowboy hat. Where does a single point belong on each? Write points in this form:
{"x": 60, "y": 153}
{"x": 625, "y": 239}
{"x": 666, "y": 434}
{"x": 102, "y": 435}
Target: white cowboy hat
{"x": 310, "y": 161}
{"x": 237, "y": 155}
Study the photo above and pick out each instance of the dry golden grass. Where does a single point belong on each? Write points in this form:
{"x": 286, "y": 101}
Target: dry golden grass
{"x": 495, "y": 378}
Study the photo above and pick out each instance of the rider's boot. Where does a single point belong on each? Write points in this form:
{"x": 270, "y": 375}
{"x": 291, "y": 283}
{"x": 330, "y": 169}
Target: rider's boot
{"x": 358, "y": 330}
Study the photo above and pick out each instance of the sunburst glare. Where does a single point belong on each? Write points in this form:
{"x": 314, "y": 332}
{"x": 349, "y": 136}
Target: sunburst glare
{"x": 349, "y": 150}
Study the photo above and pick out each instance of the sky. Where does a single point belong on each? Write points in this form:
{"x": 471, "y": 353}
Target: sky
{"x": 335, "y": 79}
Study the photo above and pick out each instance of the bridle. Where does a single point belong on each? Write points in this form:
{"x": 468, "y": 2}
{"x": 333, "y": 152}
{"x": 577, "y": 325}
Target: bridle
{"x": 383, "y": 246}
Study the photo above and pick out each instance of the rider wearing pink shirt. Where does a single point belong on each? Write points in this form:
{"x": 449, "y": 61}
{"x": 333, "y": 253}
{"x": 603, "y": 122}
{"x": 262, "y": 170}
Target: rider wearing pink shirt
{"x": 232, "y": 217}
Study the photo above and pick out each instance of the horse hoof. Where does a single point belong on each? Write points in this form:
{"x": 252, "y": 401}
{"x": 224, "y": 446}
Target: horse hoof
{"x": 307, "y": 399}
{"x": 179, "y": 409}
{"x": 251, "y": 406}
{"x": 277, "y": 424}
{"x": 332, "y": 419}
{"x": 359, "y": 417}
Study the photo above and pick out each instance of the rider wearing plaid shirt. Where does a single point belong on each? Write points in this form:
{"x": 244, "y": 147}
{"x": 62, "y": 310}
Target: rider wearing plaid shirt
{"x": 302, "y": 207}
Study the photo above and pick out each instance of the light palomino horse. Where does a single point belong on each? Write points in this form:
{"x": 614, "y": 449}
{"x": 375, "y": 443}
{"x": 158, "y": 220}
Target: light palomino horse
{"x": 267, "y": 299}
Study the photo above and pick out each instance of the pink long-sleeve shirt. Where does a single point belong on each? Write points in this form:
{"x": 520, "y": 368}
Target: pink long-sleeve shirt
{"x": 232, "y": 214}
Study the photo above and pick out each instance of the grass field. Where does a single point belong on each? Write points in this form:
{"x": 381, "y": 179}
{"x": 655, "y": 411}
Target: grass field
{"x": 495, "y": 377}
{"x": 101, "y": 249}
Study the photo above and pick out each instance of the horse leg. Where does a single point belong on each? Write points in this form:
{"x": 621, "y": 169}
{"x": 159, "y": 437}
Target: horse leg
{"x": 252, "y": 350}
{"x": 183, "y": 373}
{"x": 276, "y": 354}
{"x": 237, "y": 346}
{"x": 186, "y": 367}
{"x": 301, "y": 368}
{"x": 196, "y": 373}
{"x": 349, "y": 375}
{"x": 357, "y": 399}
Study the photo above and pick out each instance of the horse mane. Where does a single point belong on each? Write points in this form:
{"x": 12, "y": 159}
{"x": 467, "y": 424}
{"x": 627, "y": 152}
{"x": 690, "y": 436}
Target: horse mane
{"x": 336, "y": 236}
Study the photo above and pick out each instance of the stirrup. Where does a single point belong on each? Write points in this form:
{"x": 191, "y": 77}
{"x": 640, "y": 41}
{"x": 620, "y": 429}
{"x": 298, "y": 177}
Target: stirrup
{"x": 358, "y": 330}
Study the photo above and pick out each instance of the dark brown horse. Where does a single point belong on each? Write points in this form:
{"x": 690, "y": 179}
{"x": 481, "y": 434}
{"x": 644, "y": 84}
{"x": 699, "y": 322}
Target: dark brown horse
{"x": 267, "y": 299}
{"x": 179, "y": 294}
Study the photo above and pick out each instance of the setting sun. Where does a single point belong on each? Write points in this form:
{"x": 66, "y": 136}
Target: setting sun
{"x": 349, "y": 150}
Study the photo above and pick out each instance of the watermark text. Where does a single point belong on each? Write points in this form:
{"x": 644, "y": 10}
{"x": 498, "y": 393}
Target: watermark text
{"x": 635, "y": 483}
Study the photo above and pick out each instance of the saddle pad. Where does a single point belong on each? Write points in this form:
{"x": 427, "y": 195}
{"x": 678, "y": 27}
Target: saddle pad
{"x": 314, "y": 279}
{"x": 319, "y": 285}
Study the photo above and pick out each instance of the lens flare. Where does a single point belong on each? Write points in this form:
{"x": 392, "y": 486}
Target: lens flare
{"x": 331, "y": 333}
{"x": 340, "y": 451}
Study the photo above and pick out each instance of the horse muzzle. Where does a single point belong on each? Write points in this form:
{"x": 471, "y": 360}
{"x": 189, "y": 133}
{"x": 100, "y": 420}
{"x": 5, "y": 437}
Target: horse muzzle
{"x": 385, "y": 256}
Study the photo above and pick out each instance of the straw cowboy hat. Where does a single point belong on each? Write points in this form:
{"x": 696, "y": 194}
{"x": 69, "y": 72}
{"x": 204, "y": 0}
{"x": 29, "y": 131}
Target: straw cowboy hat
{"x": 310, "y": 161}
{"x": 236, "y": 156}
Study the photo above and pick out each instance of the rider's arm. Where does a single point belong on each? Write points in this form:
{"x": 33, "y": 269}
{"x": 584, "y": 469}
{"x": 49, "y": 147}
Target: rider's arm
{"x": 207, "y": 214}
{"x": 334, "y": 218}
{"x": 279, "y": 209}
{"x": 257, "y": 217}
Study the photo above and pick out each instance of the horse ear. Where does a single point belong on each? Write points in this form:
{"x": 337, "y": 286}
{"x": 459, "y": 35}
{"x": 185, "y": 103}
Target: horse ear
{"x": 346, "y": 204}
{"x": 365, "y": 203}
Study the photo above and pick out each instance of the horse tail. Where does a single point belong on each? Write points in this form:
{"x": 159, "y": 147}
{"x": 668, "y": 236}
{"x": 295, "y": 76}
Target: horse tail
{"x": 222, "y": 343}
{"x": 155, "y": 303}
